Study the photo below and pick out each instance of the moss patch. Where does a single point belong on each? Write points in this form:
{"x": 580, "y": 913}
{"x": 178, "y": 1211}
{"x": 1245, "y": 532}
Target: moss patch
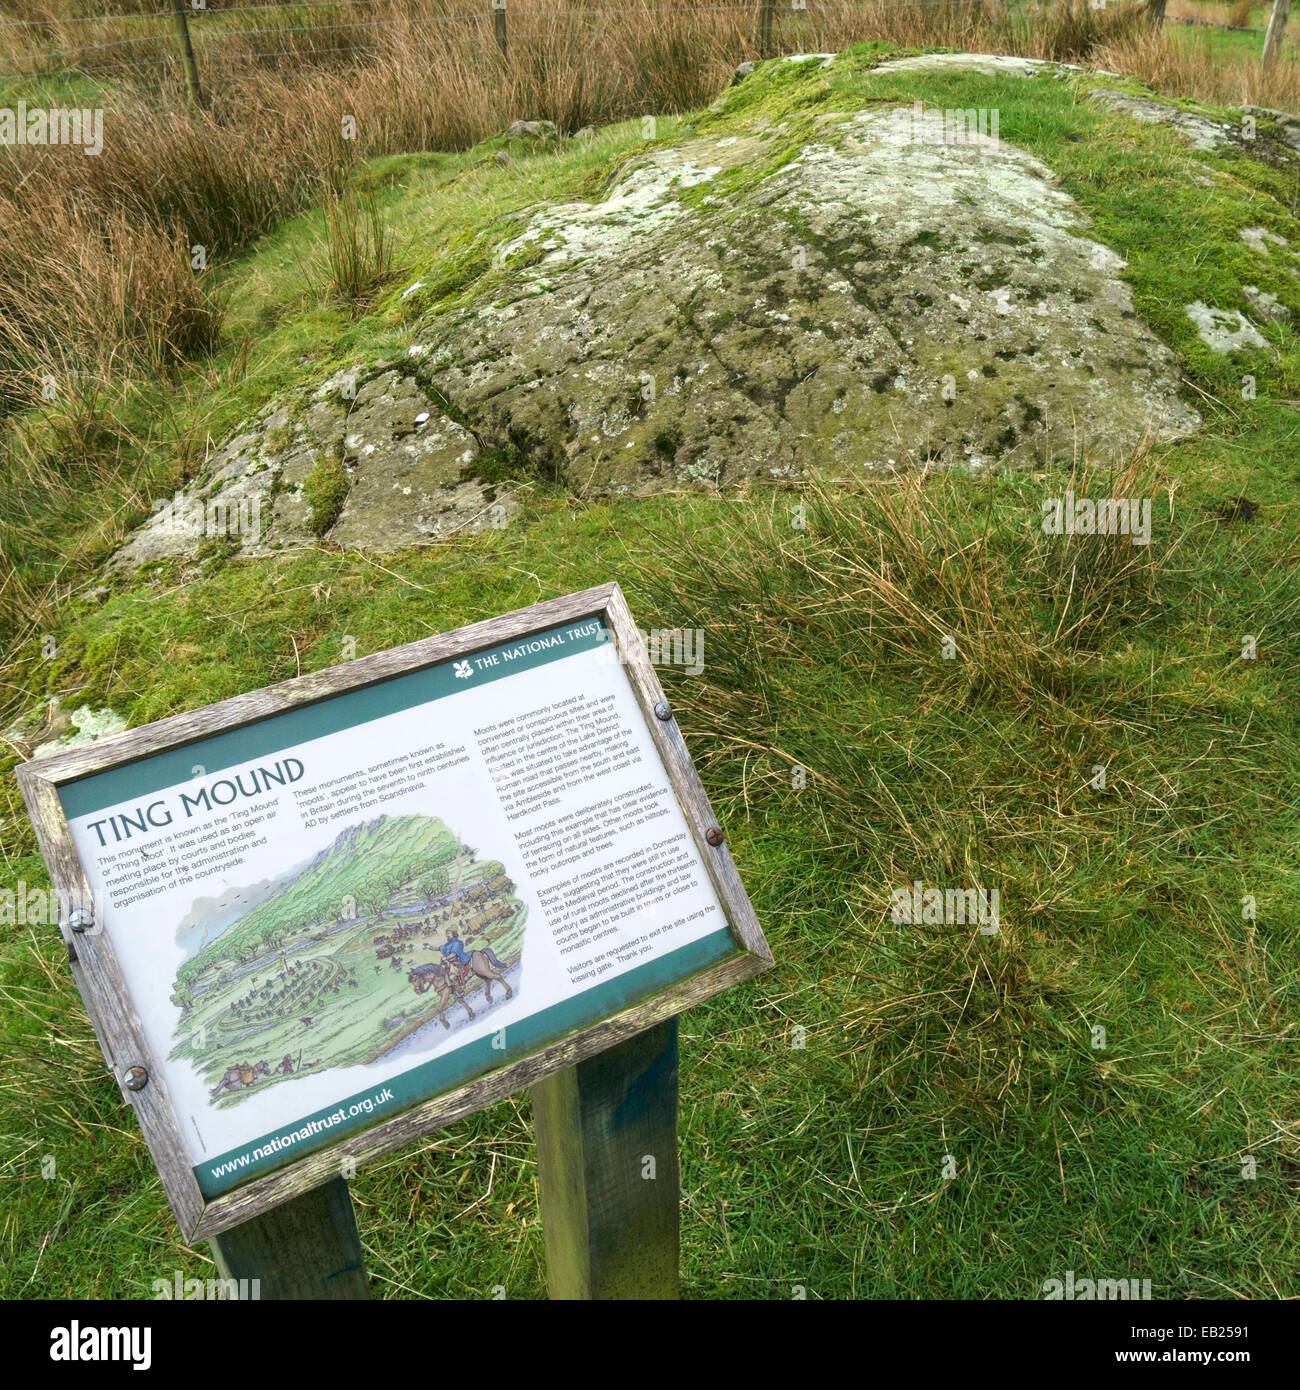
{"x": 326, "y": 490}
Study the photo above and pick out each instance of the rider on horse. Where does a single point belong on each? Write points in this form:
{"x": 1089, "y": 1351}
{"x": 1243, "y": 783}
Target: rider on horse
{"x": 455, "y": 958}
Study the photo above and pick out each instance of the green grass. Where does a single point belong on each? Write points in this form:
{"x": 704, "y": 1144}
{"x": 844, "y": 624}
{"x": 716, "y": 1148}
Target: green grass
{"x": 822, "y": 1165}
{"x": 1223, "y": 45}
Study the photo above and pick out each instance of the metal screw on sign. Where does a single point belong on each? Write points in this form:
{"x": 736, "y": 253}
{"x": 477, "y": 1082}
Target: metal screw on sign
{"x": 663, "y": 710}
{"x": 714, "y": 836}
{"x": 81, "y": 919}
{"x": 135, "y": 1078}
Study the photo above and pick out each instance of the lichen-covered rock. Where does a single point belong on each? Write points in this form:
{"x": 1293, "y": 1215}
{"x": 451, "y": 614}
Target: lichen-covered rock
{"x": 1206, "y": 132}
{"x": 1260, "y": 239}
{"x": 757, "y": 306}
{"x": 990, "y": 64}
{"x": 50, "y": 728}
{"x": 1266, "y": 305}
{"x": 1202, "y": 131}
{"x": 412, "y": 469}
{"x": 532, "y": 130}
{"x": 407, "y": 470}
{"x": 873, "y": 303}
{"x": 1224, "y": 330}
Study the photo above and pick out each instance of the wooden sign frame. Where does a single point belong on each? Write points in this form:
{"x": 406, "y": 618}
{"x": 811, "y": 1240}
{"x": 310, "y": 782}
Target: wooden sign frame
{"x": 102, "y": 986}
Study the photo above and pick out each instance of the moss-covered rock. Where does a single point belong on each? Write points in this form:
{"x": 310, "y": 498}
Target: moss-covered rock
{"x": 875, "y": 302}
{"x": 802, "y": 281}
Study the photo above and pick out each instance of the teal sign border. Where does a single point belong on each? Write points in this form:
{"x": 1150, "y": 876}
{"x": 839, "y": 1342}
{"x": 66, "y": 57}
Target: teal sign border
{"x": 278, "y": 733}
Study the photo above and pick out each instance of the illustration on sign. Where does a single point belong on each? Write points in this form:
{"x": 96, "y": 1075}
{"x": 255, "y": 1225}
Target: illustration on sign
{"x": 365, "y": 948}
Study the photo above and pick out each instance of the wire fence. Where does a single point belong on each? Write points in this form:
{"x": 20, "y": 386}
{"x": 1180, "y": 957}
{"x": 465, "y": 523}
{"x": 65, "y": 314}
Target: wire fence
{"x": 205, "y": 28}
{"x": 193, "y": 33}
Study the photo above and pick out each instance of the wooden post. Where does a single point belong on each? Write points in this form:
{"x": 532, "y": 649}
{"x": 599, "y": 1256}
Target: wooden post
{"x": 307, "y": 1248}
{"x": 187, "y": 53}
{"x": 607, "y": 1168}
{"x": 766, "y": 8}
{"x": 1156, "y": 11}
{"x": 1273, "y": 38}
{"x": 499, "y": 24}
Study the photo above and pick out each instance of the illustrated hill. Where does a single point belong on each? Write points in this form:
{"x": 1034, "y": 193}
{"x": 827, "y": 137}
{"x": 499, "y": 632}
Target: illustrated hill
{"x": 355, "y": 876}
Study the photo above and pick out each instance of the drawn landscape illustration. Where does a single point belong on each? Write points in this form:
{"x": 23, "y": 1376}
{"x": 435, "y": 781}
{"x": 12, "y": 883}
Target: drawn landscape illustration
{"x": 392, "y": 929}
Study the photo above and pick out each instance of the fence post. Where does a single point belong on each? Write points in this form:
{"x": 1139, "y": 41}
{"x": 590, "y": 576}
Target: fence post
{"x": 1156, "y": 11}
{"x": 607, "y": 1171}
{"x": 1273, "y": 38}
{"x": 499, "y": 24}
{"x": 187, "y": 53}
{"x": 306, "y": 1248}
{"x": 765, "y": 28}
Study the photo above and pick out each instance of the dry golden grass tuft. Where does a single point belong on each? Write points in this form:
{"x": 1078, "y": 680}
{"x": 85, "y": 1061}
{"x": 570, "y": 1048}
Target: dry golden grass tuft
{"x": 1202, "y": 66}
{"x": 415, "y": 75}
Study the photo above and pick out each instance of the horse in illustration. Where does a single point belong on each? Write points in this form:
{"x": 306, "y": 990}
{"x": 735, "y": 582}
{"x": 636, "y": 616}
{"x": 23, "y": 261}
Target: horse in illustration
{"x": 487, "y": 967}
{"x": 448, "y": 980}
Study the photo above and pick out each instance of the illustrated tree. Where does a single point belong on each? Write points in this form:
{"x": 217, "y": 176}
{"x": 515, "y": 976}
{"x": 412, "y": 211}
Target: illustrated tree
{"x": 434, "y": 884}
{"x": 183, "y": 996}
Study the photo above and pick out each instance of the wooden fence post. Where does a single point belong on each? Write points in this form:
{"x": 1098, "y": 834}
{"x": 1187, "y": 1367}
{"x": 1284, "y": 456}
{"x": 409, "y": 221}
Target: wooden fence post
{"x": 499, "y": 24}
{"x": 1273, "y": 38}
{"x": 1156, "y": 11}
{"x": 765, "y": 28}
{"x": 607, "y": 1168}
{"x": 187, "y": 53}
{"x": 306, "y": 1248}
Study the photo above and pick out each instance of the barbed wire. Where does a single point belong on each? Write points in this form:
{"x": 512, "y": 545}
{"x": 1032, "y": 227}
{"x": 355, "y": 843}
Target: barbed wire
{"x": 333, "y": 4}
{"x": 590, "y": 13}
{"x": 100, "y": 18}
{"x": 477, "y": 16}
{"x": 197, "y": 15}
{"x": 171, "y": 60}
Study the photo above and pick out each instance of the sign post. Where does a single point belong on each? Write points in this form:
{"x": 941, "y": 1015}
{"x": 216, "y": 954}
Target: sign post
{"x": 314, "y": 923}
{"x": 608, "y": 1174}
{"x": 308, "y": 1248}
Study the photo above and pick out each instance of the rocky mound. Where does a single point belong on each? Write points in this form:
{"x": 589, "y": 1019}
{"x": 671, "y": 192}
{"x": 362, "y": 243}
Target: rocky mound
{"x": 872, "y": 304}
{"x": 731, "y": 310}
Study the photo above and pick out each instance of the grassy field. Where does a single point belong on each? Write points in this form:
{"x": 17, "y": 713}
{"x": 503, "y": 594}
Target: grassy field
{"x": 925, "y": 1050}
{"x": 1222, "y": 48}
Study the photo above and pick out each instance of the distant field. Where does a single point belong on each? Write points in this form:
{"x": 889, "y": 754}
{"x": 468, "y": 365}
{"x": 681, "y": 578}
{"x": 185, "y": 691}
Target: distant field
{"x": 1227, "y": 45}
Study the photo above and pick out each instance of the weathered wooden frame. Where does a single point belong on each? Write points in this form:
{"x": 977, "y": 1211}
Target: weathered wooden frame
{"x": 99, "y": 979}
